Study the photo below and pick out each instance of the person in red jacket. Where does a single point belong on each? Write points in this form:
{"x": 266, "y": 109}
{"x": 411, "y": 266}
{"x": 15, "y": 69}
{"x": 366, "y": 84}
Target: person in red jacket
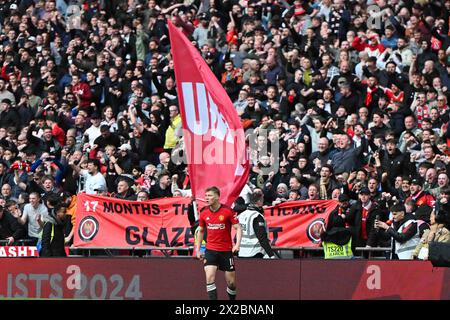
{"x": 82, "y": 91}
{"x": 57, "y": 132}
{"x": 419, "y": 196}
{"x": 373, "y": 47}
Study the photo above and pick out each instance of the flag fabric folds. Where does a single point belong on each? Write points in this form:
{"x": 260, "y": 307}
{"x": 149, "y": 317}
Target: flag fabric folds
{"x": 213, "y": 135}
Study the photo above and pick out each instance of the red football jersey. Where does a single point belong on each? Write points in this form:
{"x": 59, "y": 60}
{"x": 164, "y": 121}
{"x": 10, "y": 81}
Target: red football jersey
{"x": 218, "y": 225}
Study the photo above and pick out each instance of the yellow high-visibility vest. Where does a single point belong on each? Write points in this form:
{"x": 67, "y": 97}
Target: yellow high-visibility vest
{"x": 334, "y": 251}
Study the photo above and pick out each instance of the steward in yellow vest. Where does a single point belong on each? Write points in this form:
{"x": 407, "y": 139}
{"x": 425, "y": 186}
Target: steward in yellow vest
{"x": 336, "y": 238}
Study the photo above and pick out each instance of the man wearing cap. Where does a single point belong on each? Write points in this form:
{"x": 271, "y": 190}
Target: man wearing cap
{"x": 200, "y": 34}
{"x": 210, "y": 59}
{"x": 126, "y": 159}
{"x": 9, "y": 117}
{"x": 336, "y": 238}
{"x": 93, "y": 132}
{"x": 338, "y": 216}
{"x": 418, "y": 195}
{"x": 404, "y": 232}
{"x": 361, "y": 218}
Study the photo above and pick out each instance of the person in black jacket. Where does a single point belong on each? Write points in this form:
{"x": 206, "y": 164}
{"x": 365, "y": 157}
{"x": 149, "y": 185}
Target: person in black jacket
{"x": 151, "y": 137}
{"x": 337, "y": 217}
{"x": 53, "y": 234}
{"x": 10, "y": 229}
{"x": 404, "y": 232}
{"x": 123, "y": 189}
{"x": 163, "y": 188}
{"x": 9, "y": 117}
{"x": 394, "y": 162}
{"x": 361, "y": 218}
{"x": 442, "y": 208}
{"x": 107, "y": 138}
{"x": 336, "y": 230}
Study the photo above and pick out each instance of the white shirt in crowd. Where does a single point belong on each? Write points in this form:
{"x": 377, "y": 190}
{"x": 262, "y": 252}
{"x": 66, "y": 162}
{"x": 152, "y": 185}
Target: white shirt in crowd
{"x": 93, "y": 182}
{"x": 30, "y": 213}
{"x": 93, "y": 133}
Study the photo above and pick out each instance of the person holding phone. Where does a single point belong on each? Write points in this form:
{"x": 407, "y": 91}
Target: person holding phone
{"x": 404, "y": 232}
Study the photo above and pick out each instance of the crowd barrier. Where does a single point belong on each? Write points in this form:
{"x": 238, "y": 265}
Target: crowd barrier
{"x": 23, "y": 250}
{"x": 310, "y": 252}
{"x": 20, "y": 242}
{"x": 183, "y": 279}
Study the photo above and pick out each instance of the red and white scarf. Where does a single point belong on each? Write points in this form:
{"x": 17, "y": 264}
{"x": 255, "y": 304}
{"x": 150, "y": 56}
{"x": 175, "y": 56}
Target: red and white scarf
{"x": 369, "y": 95}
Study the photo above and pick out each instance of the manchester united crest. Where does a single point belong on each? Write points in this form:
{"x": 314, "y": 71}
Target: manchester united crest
{"x": 313, "y": 230}
{"x": 88, "y": 228}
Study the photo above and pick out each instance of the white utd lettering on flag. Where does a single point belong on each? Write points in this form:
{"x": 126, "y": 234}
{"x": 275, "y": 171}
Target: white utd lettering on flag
{"x": 219, "y": 127}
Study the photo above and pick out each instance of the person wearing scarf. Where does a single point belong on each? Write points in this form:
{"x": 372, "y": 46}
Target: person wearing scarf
{"x": 372, "y": 88}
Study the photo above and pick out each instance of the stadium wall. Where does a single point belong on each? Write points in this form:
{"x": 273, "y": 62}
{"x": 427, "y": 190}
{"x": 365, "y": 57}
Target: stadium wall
{"x": 183, "y": 279}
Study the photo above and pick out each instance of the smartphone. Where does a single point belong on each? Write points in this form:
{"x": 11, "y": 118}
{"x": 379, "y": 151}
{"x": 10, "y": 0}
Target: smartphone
{"x": 377, "y": 218}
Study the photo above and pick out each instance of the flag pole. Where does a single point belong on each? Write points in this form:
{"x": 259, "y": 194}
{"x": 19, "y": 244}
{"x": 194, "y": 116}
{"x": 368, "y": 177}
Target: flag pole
{"x": 194, "y": 205}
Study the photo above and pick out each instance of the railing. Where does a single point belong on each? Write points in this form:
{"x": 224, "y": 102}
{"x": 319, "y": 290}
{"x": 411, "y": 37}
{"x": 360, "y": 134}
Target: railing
{"x": 370, "y": 251}
{"x": 20, "y": 242}
{"x": 296, "y": 252}
{"x": 133, "y": 251}
{"x": 308, "y": 252}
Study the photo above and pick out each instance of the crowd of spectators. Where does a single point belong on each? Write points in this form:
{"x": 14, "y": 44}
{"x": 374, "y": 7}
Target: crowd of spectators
{"x": 354, "y": 94}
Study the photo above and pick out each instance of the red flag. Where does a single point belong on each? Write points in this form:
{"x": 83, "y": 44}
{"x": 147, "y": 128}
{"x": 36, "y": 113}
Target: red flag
{"x": 213, "y": 134}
